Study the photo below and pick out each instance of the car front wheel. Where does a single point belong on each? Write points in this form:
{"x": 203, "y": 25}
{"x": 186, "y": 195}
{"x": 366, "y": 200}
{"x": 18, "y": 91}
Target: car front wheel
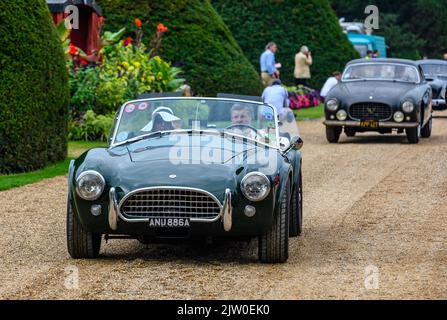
{"x": 414, "y": 134}
{"x": 333, "y": 134}
{"x": 81, "y": 243}
{"x": 426, "y": 130}
{"x": 274, "y": 245}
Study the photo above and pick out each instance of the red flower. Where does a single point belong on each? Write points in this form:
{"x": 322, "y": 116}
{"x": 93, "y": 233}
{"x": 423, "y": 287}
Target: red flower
{"x": 73, "y": 50}
{"x": 128, "y": 41}
{"x": 101, "y": 20}
{"x": 138, "y": 22}
{"x": 161, "y": 28}
{"x": 84, "y": 62}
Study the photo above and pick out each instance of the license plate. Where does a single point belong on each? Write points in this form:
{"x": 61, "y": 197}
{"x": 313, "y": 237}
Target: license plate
{"x": 374, "y": 124}
{"x": 169, "y": 223}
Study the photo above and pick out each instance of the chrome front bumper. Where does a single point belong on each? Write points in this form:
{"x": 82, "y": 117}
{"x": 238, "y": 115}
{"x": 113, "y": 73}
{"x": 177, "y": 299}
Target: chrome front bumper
{"x": 438, "y": 102}
{"x": 388, "y": 124}
{"x": 226, "y": 213}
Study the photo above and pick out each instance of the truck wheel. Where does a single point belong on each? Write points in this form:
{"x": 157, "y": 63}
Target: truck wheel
{"x": 426, "y": 130}
{"x": 413, "y": 134}
{"x": 296, "y": 212}
{"x": 81, "y": 243}
{"x": 274, "y": 245}
{"x": 333, "y": 134}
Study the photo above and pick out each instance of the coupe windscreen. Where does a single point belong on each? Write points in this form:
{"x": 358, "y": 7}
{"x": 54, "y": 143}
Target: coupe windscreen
{"x": 435, "y": 69}
{"x": 249, "y": 120}
{"x": 381, "y": 71}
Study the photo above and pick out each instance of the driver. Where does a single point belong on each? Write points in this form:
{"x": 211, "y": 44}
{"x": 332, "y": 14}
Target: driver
{"x": 163, "y": 119}
{"x": 241, "y": 117}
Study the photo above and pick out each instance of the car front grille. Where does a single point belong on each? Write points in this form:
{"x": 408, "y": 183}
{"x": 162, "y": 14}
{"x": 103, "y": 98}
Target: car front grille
{"x": 370, "y": 111}
{"x": 171, "y": 203}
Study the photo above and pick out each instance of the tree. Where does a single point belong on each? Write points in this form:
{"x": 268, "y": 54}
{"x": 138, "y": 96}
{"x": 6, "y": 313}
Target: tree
{"x": 290, "y": 24}
{"x": 34, "y": 90}
{"x": 197, "y": 40}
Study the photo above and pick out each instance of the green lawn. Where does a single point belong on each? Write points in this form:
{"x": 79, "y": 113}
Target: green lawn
{"x": 310, "y": 113}
{"x": 75, "y": 148}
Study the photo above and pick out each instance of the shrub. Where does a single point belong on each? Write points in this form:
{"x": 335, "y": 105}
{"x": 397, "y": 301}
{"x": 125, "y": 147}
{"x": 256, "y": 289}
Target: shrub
{"x": 197, "y": 40}
{"x": 290, "y": 24}
{"x": 91, "y": 126}
{"x": 127, "y": 69}
{"x": 34, "y": 90}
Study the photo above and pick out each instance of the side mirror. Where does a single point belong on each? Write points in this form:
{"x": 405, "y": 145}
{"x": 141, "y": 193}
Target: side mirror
{"x": 284, "y": 143}
{"x": 295, "y": 144}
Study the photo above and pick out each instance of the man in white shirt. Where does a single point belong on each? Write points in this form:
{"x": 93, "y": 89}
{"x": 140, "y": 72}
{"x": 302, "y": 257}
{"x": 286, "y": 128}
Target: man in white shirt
{"x": 277, "y": 96}
{"x": 330, "y": 83}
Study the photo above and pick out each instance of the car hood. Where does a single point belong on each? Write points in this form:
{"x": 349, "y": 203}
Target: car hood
{"x": 141, "y": 165}
{"x": 377, "y": 91}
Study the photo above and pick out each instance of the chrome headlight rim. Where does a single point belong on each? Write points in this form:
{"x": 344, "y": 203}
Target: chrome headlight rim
{"x": 244, "y": 182}
{"x": 408, "y": 106}
{"x": 335, "y": 107}
{"x": 102, "y": 187}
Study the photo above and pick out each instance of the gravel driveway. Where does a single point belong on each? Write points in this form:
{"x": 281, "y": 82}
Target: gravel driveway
{"x": 375, "y": 227}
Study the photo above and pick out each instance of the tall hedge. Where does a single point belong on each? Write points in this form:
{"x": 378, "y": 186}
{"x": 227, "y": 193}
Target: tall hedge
{"x": 34, "y": 90}
{"x": 291, "y": 24}
{"x": 198, "y": 41}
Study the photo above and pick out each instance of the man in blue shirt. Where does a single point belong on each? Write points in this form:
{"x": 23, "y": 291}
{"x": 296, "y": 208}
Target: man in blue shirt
{"x": 268, "y": 65}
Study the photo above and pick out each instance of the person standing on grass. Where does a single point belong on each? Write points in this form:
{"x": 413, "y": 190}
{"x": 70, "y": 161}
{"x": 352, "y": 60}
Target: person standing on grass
{"x": 303, "y": 61}
{"x": 330, "y": 83}
{"x": 269, "y": 70}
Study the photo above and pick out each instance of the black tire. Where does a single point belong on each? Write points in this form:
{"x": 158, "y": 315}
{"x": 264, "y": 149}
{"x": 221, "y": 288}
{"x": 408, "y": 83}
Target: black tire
{"x": 426, "y": 130}
{"x": 413, "y": 134}
{"x": 296, "y": 211}
{"x": 350, "y": 132}
{"x": 81, "y": 244}
{"x": 333, "y": 134}
{"x": 274, "y": 245}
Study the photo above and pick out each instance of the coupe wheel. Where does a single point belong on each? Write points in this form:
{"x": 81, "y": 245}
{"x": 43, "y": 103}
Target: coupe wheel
{"x": 426, "y": 130}
{"x": 81, "y": 243}
{"x": 296, "y": 212}
{"x": 414, "y": 134}
{"x": 274, "y": 245}
{"x": 333, "y": 134}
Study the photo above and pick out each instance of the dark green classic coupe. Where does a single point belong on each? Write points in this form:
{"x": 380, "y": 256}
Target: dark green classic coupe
{"x": 180, "y": 167}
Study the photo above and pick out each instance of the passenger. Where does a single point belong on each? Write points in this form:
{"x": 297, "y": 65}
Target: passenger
{"x": 163, "y": 119}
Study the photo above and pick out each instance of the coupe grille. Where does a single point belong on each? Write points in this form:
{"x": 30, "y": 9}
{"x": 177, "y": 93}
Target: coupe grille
{"x": 171, "y": 203}
{"x": 370, "y": 111}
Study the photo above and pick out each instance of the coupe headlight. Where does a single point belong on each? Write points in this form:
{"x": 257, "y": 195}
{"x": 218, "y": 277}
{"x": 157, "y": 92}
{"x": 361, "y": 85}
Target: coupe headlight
{"x": 399, "y": 116}
{"x": 255, "y": 186}
{"x": 90, "y": 185}
{"x": 408, "y": 106}
{"x": 332, "y": 105}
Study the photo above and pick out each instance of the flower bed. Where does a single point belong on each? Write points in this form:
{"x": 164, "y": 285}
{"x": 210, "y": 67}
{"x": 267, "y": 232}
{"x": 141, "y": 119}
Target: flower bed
{"x": 303, "y": 97}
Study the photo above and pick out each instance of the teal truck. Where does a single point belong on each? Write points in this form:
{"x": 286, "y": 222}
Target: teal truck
{"x": 363, "y": 42}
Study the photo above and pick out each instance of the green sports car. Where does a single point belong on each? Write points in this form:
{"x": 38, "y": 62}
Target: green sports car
{"x": 180, "y": 167}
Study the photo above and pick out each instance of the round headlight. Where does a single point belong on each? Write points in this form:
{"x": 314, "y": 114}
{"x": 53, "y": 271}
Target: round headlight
{"x": 90, "y": 185}
{"x": 408, "y": 106}
{"x": 332, "y": 105}
{"x": 399, "y": 116}
{"x": 255, "y": 186}
{"x": 342, "y": 115}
